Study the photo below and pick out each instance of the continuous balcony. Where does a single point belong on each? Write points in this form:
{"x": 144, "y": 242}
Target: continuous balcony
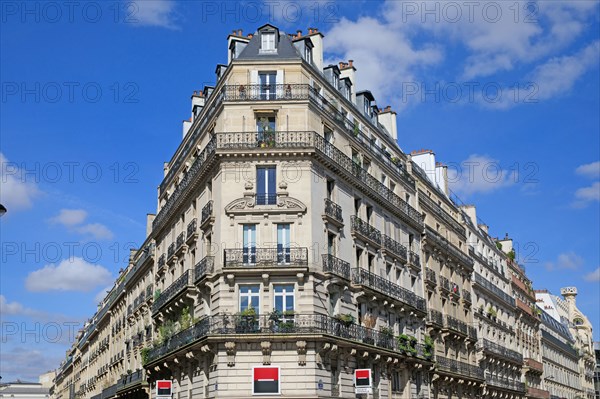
{"x": 505, "y": 383}
{"x": 533, "y": 365}
{"x": 442, "y": 214}
{"x": 365, "y": 231}
{"x": 536, "y": 393}
{"x": 333, "y": 213}
{"x": 130, "y": 381}
{"x": 394, "y": 248}
{"x": 450, "y": 248}
{"x": 336, "y": 266}
{"x": 493, "y": 289}
{"x": 453, "y": 324}
{"x": 377, "y": 283}
{"x": 253, "y": 257}
{"x": 459, "y": 368}
{"x": 203, "y": 268}
{"x": 174, "y": 290}
{"x": 500, "y": 351}
{"x": 299, "y": 324}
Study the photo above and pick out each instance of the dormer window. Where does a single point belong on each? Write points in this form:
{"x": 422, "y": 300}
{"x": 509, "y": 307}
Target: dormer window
{"x": 308, "y": 54}
{"x": 336, "y": 81}
{"x": 267, "y": 43}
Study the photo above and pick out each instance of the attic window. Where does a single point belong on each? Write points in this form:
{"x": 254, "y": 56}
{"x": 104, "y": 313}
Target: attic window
{"x": 308, "y": 54}
{"x": 267, "y": 44}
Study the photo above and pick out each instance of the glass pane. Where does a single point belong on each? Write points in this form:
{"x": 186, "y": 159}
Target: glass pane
{"x": 279, "y": 303}
{"x": 289, "y": 303}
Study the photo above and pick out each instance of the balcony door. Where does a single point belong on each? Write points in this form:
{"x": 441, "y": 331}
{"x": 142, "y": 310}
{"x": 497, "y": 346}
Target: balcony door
{"x": 265, "y": 186}
{"x": 283, "y": 243}
{"x": 268, "y": 85}
{"x": 265, "y": 131}
{"x": 249, "y": 251}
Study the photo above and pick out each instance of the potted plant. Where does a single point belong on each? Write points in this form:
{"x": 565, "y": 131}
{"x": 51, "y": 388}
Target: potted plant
{"x": 386, "y": 336}
{"x": 346, "y": 319}
{"x": 185, "y": 320}
{"x": 356, "y": 129}
{"x": 429, "y": 346}
{"x": 247, "y": 321}
{"x": 491, "y": 312}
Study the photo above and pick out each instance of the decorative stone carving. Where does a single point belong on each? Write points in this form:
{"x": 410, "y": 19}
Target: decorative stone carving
{"x": 266, "y": 350}
{"x": 230, "y": 348}
{"x": 301, "y": 348}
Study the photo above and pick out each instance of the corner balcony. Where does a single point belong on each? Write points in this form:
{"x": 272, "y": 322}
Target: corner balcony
{"x": 270, "y": 92}
{"x": 365, "y": 231}
{"x": 255, "y": 327}
{"x": 179, "y": 287}
{"x": 256, "y": 258}
{"x": 535, "y": 393}
{"x": 394, "y": 249}
{"x": 459, "y": 368}
{"x": 380, "y": 285}
{"x": 336, "y": 266}
{"x": 500, "y": 351}
{"x": 333, "y": 213}
{"x": 533, "y": 366}
{"x": 505, "y": 383}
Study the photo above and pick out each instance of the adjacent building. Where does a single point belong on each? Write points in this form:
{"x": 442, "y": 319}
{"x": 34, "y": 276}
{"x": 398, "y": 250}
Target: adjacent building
{"x": 294, "y": 242}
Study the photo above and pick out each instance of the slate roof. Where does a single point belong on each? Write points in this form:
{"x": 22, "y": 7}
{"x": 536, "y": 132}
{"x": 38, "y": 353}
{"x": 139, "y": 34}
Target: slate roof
{"x": 285, "y": 49}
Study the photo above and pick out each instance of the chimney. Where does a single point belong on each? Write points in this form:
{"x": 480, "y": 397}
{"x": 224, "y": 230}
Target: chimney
{"x": 250, "y": 35}
{"x": 186, "y": 127}
{"x": 387, "y": 118}
{"x": 149, "y": 219}
{"x": 484, "y": 227}
{"x": 317, "y": 40}
{"x": 441, "y": 175}
{"x": 239, "y": 33}
{"x": 298, "y": 33}
{"x": 348, "y": 71}
{"x": 425, "y": 159}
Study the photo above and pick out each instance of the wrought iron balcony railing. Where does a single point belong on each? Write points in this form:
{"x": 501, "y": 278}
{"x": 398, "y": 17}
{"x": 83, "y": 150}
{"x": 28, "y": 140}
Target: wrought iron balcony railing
{"x": 414, "y": 258}
{"x": 393, "y": 290}
{"x": 207, "y": 211}
{"x": 430, "y": 276}
{"x": 334, "y": 265}
{"x": 180, "y": 241}
{"x": 333, "y": 210}
{"x": 130, "y": 380}
{"x": 204, "y": 267}
{"x": 191, "y": 228}
{"x": 444, "y": 284}
{"x": 466, "y": 295}
{"x": 172, "y": 291}
{"x": 448, "y": 246}
{"x": 171, "y": 250}
{"x": 458, "y": 367}
{"x": 436, "y": 317}
{"x": 454, "y": 324}
{"x": 482, "y": 282}
{"x": 445, "y": 216}
{"x": 501, "y": 351}
{"x": 473, "y": 333}
{"x": 298, "y": 324}
{"x": 270, "y": 92}
{"x": 265, "y": 257}
{"x": 266, "y": 199}
{"x": 161, "y": 261}
{"x": 394, "y": 247}
{"x": 504, "y": 382}
{"x": 365, "y": 230}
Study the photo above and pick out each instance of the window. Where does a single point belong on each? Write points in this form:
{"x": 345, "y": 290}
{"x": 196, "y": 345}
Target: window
{"x": 283, "y": 243}
{"x": 308, "y": 54}
{"x": 336, "y": 80}
{"x": 396, "y": 381}
{"x": 267, "y": 43}
{"x": 331, "y": 244}
{"x": 330, "y": 187}
{"x": 265, "y": 185}
{"x": 267, "y": 81}
{"x": 284, "y": 298}
{"x": 265, "y": 128}
{"x": 249, "y": 251}
{"x": 250, "y": 297}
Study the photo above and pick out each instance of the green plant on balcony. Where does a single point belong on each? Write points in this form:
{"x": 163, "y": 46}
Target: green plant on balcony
{"x": 346, "y": 319}
{"x": 247, "y": 321}
{"x": 491, "y": 312}
{"x": 156, "y": 294}
{"x": 511, "y": 255}
{"x": 356, "y": 129}
{"x": 266, "y": 136}
{"x": 185, "y": 320}
{"x": 499, "y": 245}
{"x": 386, "y": 331}
{"x": 145, "y": 353}
{"x": 395, "y": 160}
{"x": 429, "y": 347}
{"x": 407, "y": 344}
{"x": 166, "y": 331}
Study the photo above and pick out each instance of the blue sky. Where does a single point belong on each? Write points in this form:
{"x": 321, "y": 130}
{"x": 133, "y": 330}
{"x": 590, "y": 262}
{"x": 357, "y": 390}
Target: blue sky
{"x": 93, "y": 97}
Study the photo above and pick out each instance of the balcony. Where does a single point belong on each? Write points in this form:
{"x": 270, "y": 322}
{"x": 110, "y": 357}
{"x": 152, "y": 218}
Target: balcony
{"x": 506, "y": 383}
{"x": 207, "y": 216}
{"x": 394, "y": 248}
{"x": 444, "y": 284}
{"x": 180, "y": 244}
{"x": 442, "y": 214}
{"x": 365, "y": 231}
{"x": 430, "y": 277}
{"x": 173, "y": 291}
{"x": 299, "y": 324}
{"x": 162, "y": 260}
{"x": 336, "y": 266}
{"x": 436, "y": 318}
{"x": 266, "y": 257}
{"x": 466, "y": 295}
{"x": 536, "y": 393}
{"x": 458, "y": 367}
{"x": 333, "y": 213}
{"x": 500, "y": 351}
{"x": 533, "y": 365}
{"x": 446, "y": 245}
{"x": 414, "y": 259}
{"x": 271, "y": 92}
{"x": 170, "y": 252}
{"x": 191, "y": 231}
{"x": 452, "y": 323}
{"x": 374, "y": 282}
{"x": 473, "y": 333}
{"x": 483, "y": 283}
{"x": 203, "y": 268}
{"x": 130, "y": 381}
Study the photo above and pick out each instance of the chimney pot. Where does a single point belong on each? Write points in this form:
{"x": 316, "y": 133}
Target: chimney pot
{"x": 239, "y": 32}
{"x": 350, "y": 62}
{"x": 250, "y": 35}
{"x": 299, "y": 33}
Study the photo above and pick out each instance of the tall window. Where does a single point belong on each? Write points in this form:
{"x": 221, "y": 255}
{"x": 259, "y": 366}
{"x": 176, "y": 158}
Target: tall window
{"x": 249, "y": 251}
{"x": 284, "y": 298}
{"x": 283, "y": 243}
{"x": 308, "y": 54}
{"x": 267, "y": 41}
{"x": 250, "y": 297}
{"x": 265, "y": 128}
{"x": 265, "y": 185}
{"x": 331, "y": 244}
{"x": 267, "y": 81}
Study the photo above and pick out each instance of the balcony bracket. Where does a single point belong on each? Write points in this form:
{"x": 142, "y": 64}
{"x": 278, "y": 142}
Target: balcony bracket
{"x": 230, "y": 348}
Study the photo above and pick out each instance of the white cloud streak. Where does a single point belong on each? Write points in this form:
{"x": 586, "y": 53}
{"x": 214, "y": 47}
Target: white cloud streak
{"x": 69, "y": 275}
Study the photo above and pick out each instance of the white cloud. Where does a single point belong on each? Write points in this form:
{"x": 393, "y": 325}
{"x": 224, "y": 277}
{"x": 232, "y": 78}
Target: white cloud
{"x": 479, "y": 174}
{"x": 591, "y": 170}
{"x": 27, "y": 363}
{"x": 17, "y": 191}
{"x": 586, "y": 195}
{"x": 73, "y": 219}
{"x": 96, "y": 230}
{"x": 69, "y": 275}
{"x": 154, "y": 13}
{"x": 565, "y": 261}
{"x": 594, "y": 276}
{"x": 70, "y": 217}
